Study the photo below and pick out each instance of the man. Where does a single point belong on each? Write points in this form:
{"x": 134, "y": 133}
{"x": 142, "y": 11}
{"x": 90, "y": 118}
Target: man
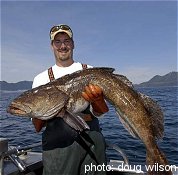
{"x": 65, "y": 151}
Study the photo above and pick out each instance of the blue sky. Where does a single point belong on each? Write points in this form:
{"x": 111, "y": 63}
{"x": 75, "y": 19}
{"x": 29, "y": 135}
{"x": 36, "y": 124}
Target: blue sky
{"x": 137, "y": 38}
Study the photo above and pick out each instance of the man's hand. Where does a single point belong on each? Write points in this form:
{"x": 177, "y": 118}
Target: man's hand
{"x": 94, "y": 95}
{"x": 39, "y": 124}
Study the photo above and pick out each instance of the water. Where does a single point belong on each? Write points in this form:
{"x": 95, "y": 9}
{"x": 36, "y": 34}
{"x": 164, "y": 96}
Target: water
{"x": 20, "y": 131}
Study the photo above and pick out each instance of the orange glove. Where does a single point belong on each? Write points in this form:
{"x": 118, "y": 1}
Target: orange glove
{"x": 39, "y": 124}
{"x": 94, "y": 95}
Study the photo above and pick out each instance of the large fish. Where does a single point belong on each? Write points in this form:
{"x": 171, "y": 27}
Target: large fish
{"x": 140, "y": 115}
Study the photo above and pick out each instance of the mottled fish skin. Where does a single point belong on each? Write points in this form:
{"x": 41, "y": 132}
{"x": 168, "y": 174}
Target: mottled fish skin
{"x": 135, "y": 110}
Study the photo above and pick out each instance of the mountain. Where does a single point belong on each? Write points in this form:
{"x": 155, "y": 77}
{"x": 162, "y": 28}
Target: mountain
{"x": 170, "y": 79}
{"x": 22, "y": 85}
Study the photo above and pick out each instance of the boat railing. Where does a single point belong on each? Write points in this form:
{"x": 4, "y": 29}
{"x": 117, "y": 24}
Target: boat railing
{"x": 13, "y": 154}
{"x": 119, "y": 151}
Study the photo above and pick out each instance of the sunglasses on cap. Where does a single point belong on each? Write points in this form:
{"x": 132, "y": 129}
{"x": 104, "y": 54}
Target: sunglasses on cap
{"x": 60, "y": 27}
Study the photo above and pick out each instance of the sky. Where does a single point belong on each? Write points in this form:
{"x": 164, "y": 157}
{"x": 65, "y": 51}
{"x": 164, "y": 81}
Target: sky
{"x": 137, "y": 38}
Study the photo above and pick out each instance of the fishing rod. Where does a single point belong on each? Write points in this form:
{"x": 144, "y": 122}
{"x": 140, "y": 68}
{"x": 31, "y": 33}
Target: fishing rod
{"x": 20, "y": 150}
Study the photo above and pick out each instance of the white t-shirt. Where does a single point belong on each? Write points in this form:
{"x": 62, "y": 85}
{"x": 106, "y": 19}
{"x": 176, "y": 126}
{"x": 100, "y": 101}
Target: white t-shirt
{"x": 43, "y": 78}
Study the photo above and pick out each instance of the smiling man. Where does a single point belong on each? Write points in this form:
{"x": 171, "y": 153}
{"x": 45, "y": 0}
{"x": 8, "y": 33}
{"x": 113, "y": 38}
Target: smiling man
{"x": 64, "y": 152}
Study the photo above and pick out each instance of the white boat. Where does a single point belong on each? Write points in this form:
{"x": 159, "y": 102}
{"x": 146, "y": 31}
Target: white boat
{"x": 22, "y": 161}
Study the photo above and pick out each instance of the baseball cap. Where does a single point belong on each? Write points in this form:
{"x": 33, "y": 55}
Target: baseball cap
{"x": 60, "y": 28}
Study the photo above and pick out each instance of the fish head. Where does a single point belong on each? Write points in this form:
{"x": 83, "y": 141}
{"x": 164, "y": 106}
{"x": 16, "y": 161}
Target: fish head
{"x": 43, "y": 103}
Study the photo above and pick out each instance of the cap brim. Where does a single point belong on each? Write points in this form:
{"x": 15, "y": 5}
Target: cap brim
{"x": 60, "y": 31}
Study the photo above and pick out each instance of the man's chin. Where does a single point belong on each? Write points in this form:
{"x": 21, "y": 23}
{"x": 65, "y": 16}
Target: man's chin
{"x": 64, "y": 58}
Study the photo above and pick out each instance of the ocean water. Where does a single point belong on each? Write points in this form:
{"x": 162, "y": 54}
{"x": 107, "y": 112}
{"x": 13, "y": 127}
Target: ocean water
{"x": 20, "y": 131}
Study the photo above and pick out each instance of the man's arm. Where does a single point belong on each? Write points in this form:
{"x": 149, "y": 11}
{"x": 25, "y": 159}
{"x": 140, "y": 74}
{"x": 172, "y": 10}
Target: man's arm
{"x": 39, "y": 124}
{"x": 39, "y": 80}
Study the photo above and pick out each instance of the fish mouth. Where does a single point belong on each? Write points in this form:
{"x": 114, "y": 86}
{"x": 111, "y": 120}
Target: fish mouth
{"x": 18, "y": 109}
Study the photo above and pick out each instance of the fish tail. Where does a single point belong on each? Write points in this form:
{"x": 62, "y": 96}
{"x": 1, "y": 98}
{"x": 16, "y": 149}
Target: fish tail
{"x": 157, "y": 163}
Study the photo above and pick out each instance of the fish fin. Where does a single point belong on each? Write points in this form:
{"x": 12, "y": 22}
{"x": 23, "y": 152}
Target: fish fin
{"x": 107, "y": 69}
{"x": 102, "y": 69}
{"x": 75, "y": 121}
{"x": 126, "y": 125}
{"x": 156, "y": 115}
{"x": 152, "y": 107}
{"x": 124, "y": 79}
{"x": 52, "y": 112}
{"x": 93, "y": 69}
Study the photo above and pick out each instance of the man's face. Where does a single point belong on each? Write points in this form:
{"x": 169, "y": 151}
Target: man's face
{"x": 62, "y": 46}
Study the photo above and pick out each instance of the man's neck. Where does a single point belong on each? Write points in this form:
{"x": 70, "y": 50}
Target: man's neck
{"x": 65, "y": 63}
